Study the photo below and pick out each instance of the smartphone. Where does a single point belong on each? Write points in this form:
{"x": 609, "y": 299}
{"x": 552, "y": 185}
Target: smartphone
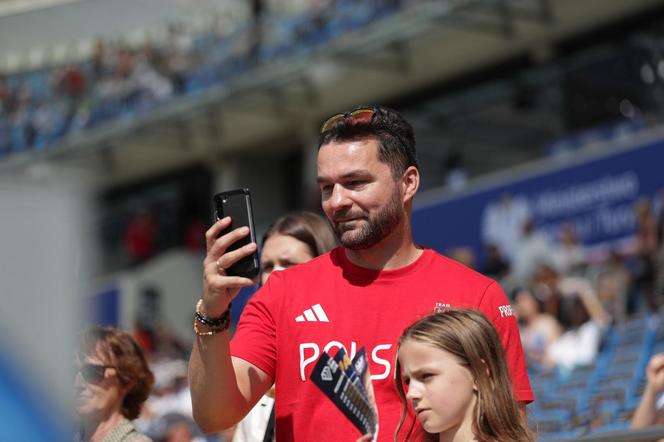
{"x": 237, "y": 205}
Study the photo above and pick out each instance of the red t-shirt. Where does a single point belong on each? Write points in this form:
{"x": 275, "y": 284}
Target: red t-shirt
{"x": 327, "y": 303}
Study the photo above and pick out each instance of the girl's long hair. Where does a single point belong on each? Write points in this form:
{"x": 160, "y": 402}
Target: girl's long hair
{"x": 468, "y": 335}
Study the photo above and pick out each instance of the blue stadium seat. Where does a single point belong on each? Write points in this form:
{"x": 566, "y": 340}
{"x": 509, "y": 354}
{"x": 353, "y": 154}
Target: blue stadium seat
{"x": 600, "y": 397}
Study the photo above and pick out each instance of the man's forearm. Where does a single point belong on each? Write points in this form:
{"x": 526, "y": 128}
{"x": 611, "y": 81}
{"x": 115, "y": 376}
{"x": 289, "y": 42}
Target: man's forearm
{"x": 223, "y": 389}
{"x": 217, "y": 401}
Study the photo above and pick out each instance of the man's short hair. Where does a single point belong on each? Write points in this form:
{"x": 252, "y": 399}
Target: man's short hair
{"x": 394, "y": 134}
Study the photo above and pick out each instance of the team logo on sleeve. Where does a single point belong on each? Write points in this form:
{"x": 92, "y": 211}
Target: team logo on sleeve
{"x": 441, "y": 307}
{"x": 505, "y": 310}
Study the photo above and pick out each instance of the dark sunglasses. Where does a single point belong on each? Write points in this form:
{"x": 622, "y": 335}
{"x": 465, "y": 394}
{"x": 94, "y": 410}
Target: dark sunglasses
{"x": 92, "y": 373}
{"x": 358, "y": 116}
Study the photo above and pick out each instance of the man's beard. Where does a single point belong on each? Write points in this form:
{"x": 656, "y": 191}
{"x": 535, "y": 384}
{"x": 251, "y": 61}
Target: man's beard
{"x": 373, "y": 230}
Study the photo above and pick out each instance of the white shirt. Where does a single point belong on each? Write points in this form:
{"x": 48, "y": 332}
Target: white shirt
{"x": 252, "y": 427}
{"x": 576, "y": 347}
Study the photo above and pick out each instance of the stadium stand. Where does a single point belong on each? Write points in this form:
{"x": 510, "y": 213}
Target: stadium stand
{"x": 41, "y": 107}
{"x": 600, "y": 397}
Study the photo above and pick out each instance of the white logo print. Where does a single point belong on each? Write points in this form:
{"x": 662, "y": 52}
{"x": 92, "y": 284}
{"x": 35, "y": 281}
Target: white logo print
{"x": 505, "y": 310}
{"x": 311, "y": 351}
{"x": 326, "y": 374}
{"x": 441, "y": 307}
{"x": 313, "y": 314}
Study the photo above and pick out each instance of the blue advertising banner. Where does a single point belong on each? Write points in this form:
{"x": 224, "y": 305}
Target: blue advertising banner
{"x": 596, "y": 196}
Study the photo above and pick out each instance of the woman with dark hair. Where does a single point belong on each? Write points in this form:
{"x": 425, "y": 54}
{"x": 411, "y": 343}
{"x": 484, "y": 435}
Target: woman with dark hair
{"x": 293, "y": 239}
{"x": 112, "y": 382}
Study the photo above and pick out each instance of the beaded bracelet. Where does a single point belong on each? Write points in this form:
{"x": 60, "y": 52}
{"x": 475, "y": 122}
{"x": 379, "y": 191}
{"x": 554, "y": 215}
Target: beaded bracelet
{"x": 216, "y": 325}
{"x": 213, "y": 322}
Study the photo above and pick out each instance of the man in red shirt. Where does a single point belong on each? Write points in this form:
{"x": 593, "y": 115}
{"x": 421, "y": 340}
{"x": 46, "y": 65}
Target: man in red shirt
{"x": 362, "y": 294}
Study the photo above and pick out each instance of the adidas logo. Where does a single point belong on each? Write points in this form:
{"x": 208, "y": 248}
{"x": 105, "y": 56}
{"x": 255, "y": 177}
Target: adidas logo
{"x": 313, "y": 314}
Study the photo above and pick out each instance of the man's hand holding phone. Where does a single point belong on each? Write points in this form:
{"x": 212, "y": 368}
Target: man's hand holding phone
{"x": 219, "y": 289}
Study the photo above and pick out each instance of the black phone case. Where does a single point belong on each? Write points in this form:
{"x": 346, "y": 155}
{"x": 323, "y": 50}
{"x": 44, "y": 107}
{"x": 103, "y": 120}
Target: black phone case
{"x": 237, "y": 205}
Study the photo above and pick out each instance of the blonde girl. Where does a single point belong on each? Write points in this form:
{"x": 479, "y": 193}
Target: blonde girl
{"x": 451, "y": 373}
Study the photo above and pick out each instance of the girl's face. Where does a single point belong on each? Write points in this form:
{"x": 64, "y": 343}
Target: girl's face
{"x": 280, "y": 252}
{"x": 440, "y": 390}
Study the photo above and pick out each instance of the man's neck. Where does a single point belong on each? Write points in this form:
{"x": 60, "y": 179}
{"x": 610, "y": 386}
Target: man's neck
{"x": 393, "y": 252}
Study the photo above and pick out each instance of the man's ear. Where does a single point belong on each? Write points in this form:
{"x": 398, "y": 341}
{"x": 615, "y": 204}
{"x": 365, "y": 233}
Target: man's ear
{"x": 410, "y": 182}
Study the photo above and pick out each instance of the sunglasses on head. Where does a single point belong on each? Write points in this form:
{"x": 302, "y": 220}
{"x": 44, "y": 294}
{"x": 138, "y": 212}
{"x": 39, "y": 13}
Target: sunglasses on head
{"x": 362, "y": 116}
{"x": 358, "y": 116}
{"x": 92, "y": 373}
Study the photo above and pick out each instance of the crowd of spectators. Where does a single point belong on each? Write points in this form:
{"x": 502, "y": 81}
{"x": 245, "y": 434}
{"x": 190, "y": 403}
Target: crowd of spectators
{"x": 589, "y": 316}
{"x": 40, "y": 108}
{"x": 567, "y": 299}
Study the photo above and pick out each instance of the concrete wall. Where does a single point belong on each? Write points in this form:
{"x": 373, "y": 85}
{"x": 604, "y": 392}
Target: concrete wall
{"x": 45, "y": 265}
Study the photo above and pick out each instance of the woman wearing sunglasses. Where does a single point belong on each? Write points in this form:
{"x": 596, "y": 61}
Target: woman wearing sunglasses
{"x": 112, "y": 382}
